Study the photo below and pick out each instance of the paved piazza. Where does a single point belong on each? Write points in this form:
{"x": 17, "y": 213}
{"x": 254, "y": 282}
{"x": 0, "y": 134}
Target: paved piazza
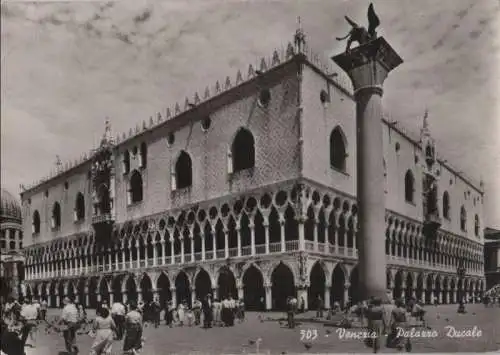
{"x": 277, "y": 339}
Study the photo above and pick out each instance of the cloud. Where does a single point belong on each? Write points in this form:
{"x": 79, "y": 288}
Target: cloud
{"x": 66, "y": 66}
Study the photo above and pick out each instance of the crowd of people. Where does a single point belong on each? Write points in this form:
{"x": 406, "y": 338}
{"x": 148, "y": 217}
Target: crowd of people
{"x": 112, "y": 322}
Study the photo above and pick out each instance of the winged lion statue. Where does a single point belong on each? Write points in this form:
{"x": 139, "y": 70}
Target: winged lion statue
{"x": 359, "y": 33}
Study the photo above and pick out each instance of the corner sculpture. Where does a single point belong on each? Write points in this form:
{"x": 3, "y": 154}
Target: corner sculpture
{"x": 360, "y": 34}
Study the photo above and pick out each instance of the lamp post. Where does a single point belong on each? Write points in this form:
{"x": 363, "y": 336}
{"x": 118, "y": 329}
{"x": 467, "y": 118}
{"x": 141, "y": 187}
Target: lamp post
{"x": 461, "y": 274}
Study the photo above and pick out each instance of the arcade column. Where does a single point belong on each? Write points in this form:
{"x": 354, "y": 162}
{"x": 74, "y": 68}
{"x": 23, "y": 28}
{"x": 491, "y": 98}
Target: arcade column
{"x": 368, "y": 66}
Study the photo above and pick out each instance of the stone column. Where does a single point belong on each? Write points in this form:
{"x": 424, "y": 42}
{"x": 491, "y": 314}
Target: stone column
{"x": 440, "y": 297}
{"x": 215, "y": 292}
{"x": 139, "y": 295}
{"x": 155, "y": 254}
{"x": 172, "y": 255}
{"x": 266, "y": 235}
{"x": 111, "y": 299}
{"x": 282, "y": 234}
{"x": 203, "y": 248}
{"x": 238, "y": 240}
{"x": 124, "y": 297}
{"x": 269, "y": 296}
{"x": 15, "y": 279}
{"x": 191, "y": 244}
{"x": 252, "y": 238}
{"x": 315, "y": 235}
{"x": 174, "y": 296}
{"x": 226, "y": 244}
{"x": 193, "y": 295}
{"x": 241, "y": 294}
{"x": 214, "y": 246}
{"x": 302, "y": 240}
{"x": 327, "y": 296}
{"x": 368, "y": 65}
{"x": 346, "y": 292}
{"x": 163, "y": 252}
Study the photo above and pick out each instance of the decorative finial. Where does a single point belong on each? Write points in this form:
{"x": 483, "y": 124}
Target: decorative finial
{"x": 106, "y": 137}
{"x": 58, "y": 162}
{"x": 300, "y": 38}
{"x": 239, "y": 78}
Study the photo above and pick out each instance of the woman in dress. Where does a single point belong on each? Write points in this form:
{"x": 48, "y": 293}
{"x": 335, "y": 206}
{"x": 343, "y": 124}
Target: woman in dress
{"x": 133, "y": 330}
{"x": 104, "y": 328}
{"x": 180, "y": 314}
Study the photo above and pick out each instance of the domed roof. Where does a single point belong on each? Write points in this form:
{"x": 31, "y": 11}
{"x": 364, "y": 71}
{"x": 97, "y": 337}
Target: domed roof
{"x": 9, "y": 207}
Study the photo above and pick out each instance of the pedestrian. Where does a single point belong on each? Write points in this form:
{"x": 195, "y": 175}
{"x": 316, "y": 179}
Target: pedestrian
{"x": 291, "y": 309}
{"x": 43, "y": 309}
{"x": 181, "y": 313}
{"x": 133, "y": 330}
{"x": 155, "y": 312}
{"x": 11, "y": 332}
{"x": 398, "y": 324}
{"x": 376, "y": 323}
{"x": 207, "y": 311}
{"x": 197, "y": 311}
{"x": 104, "y": 328}
{"x": 319, "y": 307}
{"x": 169, "y": 313}
{"x": 118, "y": 315}
{"x": 29, "y": 315}
{"x": 69, "y": 318}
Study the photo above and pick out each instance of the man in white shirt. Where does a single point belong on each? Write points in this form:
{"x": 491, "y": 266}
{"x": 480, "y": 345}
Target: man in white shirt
{"x": 29, "y": 313}
{"x": 118, "y": 315}
{"x": 69, "y": 318}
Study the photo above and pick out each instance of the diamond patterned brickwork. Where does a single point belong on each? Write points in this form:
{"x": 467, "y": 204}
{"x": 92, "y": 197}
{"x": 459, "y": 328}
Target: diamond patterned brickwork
{"x": 275, "y": 130}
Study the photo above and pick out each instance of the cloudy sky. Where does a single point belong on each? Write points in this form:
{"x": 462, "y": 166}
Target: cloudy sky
{"x": 68, "y": 65}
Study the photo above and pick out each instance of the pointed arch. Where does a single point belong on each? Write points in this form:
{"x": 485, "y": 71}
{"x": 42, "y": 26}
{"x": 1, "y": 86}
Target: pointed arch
{"x": 338, "y": 149}
{"x": 446, "y": 205}
{"x": 409, "y": 187}
{"x": 36, "y": 222}
{"x": 243, "y": 150}
{"x": 183, "y": 171}
{"x": 135, "y": 187}
{"x": 56, "y": 215}
{"x": 463, "y": 219}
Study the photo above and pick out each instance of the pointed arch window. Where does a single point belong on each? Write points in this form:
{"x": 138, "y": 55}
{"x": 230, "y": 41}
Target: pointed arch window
{"x": 242, "y": 151}
{"x": 409, "y": 187}
{"x": 463, "y": 219}
{"x": 183, "y": 172}
{"x": 143, "y": 156}
{"x": 446, "y": 205}
{"x": 135, "y": 189}
{"x": 56, "y": 216}
{"x": 104, "y": 204}
{"x": 338, "y": 149}
{"x": 79, "y": 214}
{"x": 476, "y": 225}
{"x": 126, "y": 162}
{"x": 36, "y": 222}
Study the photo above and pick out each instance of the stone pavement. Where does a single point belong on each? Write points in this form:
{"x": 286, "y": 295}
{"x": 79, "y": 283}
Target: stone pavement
{"x": 276, "y": 339}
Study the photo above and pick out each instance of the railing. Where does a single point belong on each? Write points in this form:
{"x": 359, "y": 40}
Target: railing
{"x": 275, "y": 247}
{"x": 209, "y": 255}
{"x": 291, "y": 245}
{"x": 198, "y": 256}
{"x": 220, "y": 254}
{"x": 260, "y": 249}
{"x": 233, "y": 252}
{"x": 177, "y": 259}
{"x": 106, "y": 217}
{"x": 247, "y": 250}
{"x": 187, "y": 258}
{"x": 309, "y": 245}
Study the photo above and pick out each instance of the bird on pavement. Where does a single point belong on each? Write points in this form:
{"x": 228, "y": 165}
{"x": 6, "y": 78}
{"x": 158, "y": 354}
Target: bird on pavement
{"x": 308, "y": 346}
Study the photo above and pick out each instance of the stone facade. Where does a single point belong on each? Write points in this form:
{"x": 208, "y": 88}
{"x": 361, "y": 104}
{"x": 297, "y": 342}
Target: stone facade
{"x": 284, "y": 225}
{"x": 11, "y": 246}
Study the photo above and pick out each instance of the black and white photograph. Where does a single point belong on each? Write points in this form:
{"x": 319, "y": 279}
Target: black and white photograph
{"x": 250, "y": 177}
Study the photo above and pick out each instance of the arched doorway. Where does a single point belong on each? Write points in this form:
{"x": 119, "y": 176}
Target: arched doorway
{"x": 429, "y": 289}
{"x": 253, "y": 289}
{"x": 104, "y": 290}
{"x": 182, "y": 288}
{"x": 116, "y": 289}
{"x": 283, "y": 286}
{"x": 80, "y": 290}
{"x": 146, "y": 288}
{"x": 316, "y": 286}
{"x": 398, "y": 283}
{"x": 92, "y": 293}
{"x": 131, "y": 289}
{"x": 71, "y": 291}
{"x": 437, "y": 290}
{"x": 60, "y": 292}
{"x": 5, "y": 289}
{"x": 227, "y": 284}
{"x": 452, "y": 291}
{"x": 43, "y": 292}
{"x": 445, "y": 291}
{"x": 354, "y": 289}
{"x": 338, "y": 286}
{"x": 52, "y": 294}
{"x": 202, "y": 284}
{"x": 419, "y": 292}
{"x": 409, "y": 287}
{"x": 163, "y": 287}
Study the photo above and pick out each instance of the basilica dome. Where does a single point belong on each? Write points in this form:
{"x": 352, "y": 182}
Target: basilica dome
{"x": 10, "y": 209}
